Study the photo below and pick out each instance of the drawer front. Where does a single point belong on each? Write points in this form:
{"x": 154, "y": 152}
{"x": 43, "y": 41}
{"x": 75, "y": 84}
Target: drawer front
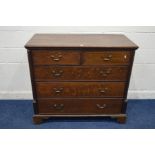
{"x": 66, "y": 57}
{"x": 100, "y": 58}
{"x": 58, "y": 73}
{"x": 80, "y": 106}
{"x": 80, "y": 89}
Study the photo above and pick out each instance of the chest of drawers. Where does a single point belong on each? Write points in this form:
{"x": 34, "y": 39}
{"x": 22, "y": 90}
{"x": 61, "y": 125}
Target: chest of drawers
{"x": 79, "y": 75}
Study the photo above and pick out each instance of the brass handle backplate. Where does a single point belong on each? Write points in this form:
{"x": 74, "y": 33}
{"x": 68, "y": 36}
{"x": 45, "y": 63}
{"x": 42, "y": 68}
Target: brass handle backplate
{"x": 101, "y": 106}
{"x": 56, "y": 56}
{"x": 57, "y": 106}
{"x": 105, "y": 73}
{"x": 108, "y": 58}
{"x": 58, "y": 91}
{"x": 103, "y": 90}
{"x": 57, "y": 73}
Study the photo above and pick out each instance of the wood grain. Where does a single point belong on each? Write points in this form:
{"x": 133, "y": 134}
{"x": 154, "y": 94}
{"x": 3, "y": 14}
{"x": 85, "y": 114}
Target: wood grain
{"x": 106, "y": 58}
{"x": 80, "y": 89}
{"x": 80, "y": 106}
{"x": 80, "y": 40}
{"x": 80, "y": 73}
{"x": 56, "y": 57}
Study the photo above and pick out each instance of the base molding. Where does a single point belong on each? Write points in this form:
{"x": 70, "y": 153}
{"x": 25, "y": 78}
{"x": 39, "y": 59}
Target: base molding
{"x": 120, "y": 118}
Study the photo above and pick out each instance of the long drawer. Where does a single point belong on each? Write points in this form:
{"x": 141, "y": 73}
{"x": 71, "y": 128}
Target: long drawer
{"x": 106, "y": 58}
{"x": 79, "y": 89}
{"x": 80, "y": 106}
{"x": 79, "y": 73}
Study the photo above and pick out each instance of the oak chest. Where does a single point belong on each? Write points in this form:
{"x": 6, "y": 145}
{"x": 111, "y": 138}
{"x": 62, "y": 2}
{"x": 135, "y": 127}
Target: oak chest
{"x": 80, "y": 75}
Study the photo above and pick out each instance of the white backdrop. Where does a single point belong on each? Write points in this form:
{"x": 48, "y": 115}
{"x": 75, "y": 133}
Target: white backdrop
{"x": 14, "y": 71}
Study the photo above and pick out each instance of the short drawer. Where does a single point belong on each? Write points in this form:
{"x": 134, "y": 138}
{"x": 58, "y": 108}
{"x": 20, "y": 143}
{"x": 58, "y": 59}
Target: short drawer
{"x": 100, "y": 58}
{"x": 80, "y": 106}
{"x": 79, "y": 89}
{"x": 80, "y": 73}
{"x": 53, "y": 57}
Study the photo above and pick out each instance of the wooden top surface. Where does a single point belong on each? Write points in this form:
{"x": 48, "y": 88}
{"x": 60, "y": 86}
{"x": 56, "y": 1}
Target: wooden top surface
{"x": 80, "y": 40}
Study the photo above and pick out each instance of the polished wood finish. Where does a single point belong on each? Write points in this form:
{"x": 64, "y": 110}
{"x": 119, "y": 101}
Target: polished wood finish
{"x": 53, "y": 57}
{"x": 80, "y": 106}
{"x": 106, "y": 58}
{"x": 32, "y": 82}
{"x": 80, "y": 75}
{"x": 80, "y": 89}
{"x": 80, "y": 40}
